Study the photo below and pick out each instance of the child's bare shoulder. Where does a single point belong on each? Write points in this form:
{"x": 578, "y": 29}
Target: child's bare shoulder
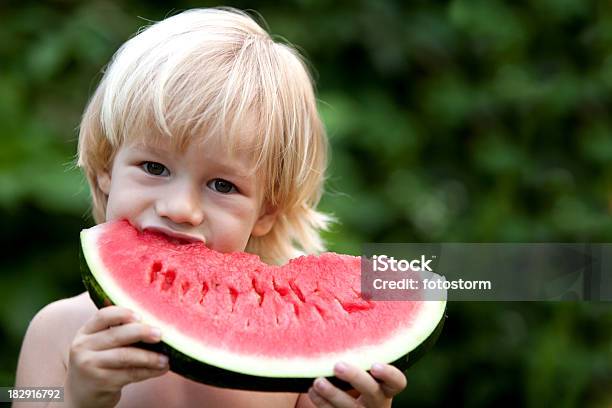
{"x": 59, "y": 321}
{"x": 66, "y": 314}
{"x": 43, "y": 359}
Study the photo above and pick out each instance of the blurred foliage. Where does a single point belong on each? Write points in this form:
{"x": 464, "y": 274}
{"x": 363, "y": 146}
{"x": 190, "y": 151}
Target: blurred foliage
{"x": 449, "y": 121}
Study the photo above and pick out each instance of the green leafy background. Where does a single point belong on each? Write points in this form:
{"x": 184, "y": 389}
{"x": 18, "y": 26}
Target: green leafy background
{"x": 467, "y": 121}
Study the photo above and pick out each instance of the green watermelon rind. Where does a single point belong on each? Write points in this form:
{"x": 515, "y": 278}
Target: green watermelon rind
{"x": 198, "y": 370}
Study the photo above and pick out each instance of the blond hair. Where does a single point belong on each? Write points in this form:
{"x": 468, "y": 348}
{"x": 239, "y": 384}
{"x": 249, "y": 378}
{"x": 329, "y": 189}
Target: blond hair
{"x": 203, "y": 73}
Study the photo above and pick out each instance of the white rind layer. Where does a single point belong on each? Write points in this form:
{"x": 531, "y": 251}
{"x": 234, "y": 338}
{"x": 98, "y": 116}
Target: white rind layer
{"x": 398, "y": 344}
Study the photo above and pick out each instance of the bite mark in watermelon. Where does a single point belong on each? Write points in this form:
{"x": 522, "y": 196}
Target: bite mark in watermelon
{"x": 231, "y": 320}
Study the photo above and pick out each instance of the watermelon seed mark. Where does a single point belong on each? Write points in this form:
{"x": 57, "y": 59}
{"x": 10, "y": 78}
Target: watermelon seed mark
{"x": 295, "y": 288}
{"x": 185, "y": 287}
{"x": 234, "y": 295}
{"x": 169, "y": 278}
{"x": 203, "y": 292}
{"x": 155, "y": 268}
{"x": 277, "y": 321}
{"x": 340, "y": 303}
{"x": 296, "y": 310}
{"x": 281, "y": 291}
{"x": 351, "y": 307}
{"x": 321, "y": 311}
{"x": 258, "y": 291}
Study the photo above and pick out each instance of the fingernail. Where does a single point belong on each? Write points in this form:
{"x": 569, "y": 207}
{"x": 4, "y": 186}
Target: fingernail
{"x": 377, "y": 368}
{"x": 341, "y": 368}
{"x": 163, "y": 361}
{"x": 321, "y": 384}
{"x": 136, "y": 317}
{"x": 156, "y": 333}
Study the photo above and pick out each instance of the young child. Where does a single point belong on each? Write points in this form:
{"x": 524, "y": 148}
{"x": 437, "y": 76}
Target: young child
{"x": 203, "y": 128}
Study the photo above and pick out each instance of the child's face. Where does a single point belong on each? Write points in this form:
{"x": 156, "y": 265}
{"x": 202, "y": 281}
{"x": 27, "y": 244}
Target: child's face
{"x": 203, "y": 193}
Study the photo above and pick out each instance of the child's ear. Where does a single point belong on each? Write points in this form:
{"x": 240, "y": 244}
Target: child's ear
{"x": 104, "y": 181}
{"x": 266, "y": 221}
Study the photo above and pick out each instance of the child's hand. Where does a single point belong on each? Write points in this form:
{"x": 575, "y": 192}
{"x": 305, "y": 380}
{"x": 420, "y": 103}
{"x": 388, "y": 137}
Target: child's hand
{"x": 100, "y": 363}
{"x": 374, "y": 394}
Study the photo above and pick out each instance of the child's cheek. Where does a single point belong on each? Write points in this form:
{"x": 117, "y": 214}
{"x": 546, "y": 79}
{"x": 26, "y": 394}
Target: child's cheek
{"x": 229, "y": 228}
{"x": 130, "y": 201}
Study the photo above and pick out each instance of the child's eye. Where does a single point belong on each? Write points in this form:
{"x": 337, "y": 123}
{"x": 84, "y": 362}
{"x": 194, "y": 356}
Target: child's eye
{"x": 222, "y": 186}
{"x": 154, "y": 168}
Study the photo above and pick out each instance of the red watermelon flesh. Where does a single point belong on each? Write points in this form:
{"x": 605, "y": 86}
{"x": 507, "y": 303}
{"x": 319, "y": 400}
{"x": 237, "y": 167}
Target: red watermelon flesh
{"x": 233, "y": 311}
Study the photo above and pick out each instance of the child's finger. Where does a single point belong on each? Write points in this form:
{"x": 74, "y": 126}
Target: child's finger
{"x": 126, "y": 334}
{"x": 392, "y": 380}
{"x": 362, "y": 381}
{"x": 131, "y": 357}
{"x": 335, "y": 396}
{"x": 107, "y": 317}
{"x": 317, "y": 399}
{"x": 122, "y": 377}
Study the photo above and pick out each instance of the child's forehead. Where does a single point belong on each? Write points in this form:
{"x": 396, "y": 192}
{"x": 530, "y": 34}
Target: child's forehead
{"x": 240, "y": 135}
{"x": 159, "y": 143}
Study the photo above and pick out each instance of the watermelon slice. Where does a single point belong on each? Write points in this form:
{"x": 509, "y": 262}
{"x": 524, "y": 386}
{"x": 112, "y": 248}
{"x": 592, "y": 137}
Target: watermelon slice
{"x": 231, "y": 320}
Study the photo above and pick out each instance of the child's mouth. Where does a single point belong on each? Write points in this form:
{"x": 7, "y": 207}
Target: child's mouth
{"x": 173, "y": 236}
{"x": 178, "y": 241}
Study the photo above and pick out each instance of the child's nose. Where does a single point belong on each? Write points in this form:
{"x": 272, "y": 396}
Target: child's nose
{"x": 181, "y": 205}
